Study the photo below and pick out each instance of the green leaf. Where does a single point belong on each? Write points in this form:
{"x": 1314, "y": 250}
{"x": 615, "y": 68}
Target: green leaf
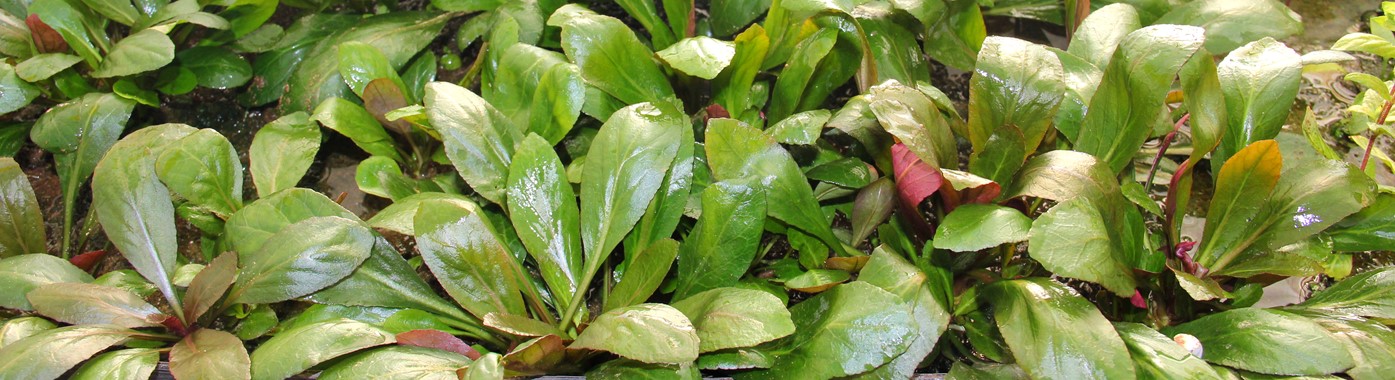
{"x": 724, "y": 243}
{"x": 354, "y": 122}
{"x": 386, "y": 279}
{"x": 14, "y": 35}
{"x": 974, "y": 227}
{"x": 1134, "y": 87}
{"x": 43, "y": 66}
{"x": 661, "y": 217}
{"x": 872, "y": 207}
{"x": 463, "y": 251}
{"x": 216, "y": 67}
{"x": 985, "y": 371}
{"x": 399, "y": 362}
{"x": 134, "y": 363}
{"x": 13, "y": 330}
{"x": 398, "y": 217}
{"x": 732, "y": 88}
{"x": 255, "y": 224}
{"x": 624, "y": 369}
{"x": 79, "y": 303}
{"x": 1260, "y": 82}
{"x": 795, "y": 78}
{"x": 16, "y": 92}
{"x": 733, "y": 318}
{"x": 1015, "y": 83}
{"x": 78, "y": 133}
{"x": 650, "y": 333}
{"x": 729, "y": 16}
{"x": 1053, "y": 332}
{"x": 738, "y": 152}
{"x": 478, "y": 139}
{"x": 1267, "y": 341}
{"x": 624, "y": 170}
{"x": 929, "y": 316}
{"x": 281, "y": 153}
{"x": 71, "y": 24}
{"x": 208, "y": 287}
{"x": 1073, "y": 240}
{"x": 203, "y": 168}
{"x": 1205, "y": 101}
{"x": 360, "y": 63}
{"x": 49, "y": 354}
{"x": 296, "y": 350}
{"x": 488, "y": 367}
{"x": 1366, "y": 43}
{"x": 646, "y": 270}
{"x": 610, "y": 56}
{"x": 21, "y": 224}
{"x": 143, "y": 51}
{"x": 850, "y": 329}
{"x": 381, "y": 176}
{"x": 1368, "y": 294}
{"x": 1367, "y": 229}
{"x": 955, "y": 34}
{"x": 539, "y": 89}
{"x": 128, "y": 280}
{"x": 1155, "y": 356}
{"x": 1230, "y": 24}
{"x": 1243, "y": 187}
{"x": 802, "y": 128}
{"x": 891, "y": 38}
{"x": 543, "y": 209}
{"x": 1311, "y": 197}
{"x": 208, "y": 353}
{"x": 398, "y": 35}
{"x": 309, "y": 255}
{"x": 702, "y": 57}
{"x": 134, "y": 207}
{"x": 1099, "y": 35}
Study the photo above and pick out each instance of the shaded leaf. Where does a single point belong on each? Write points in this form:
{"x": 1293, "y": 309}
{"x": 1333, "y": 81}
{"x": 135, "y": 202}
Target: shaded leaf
{"x": 976, "y": 227}
{"x": 208, "y": 353}
{"x": 209, "y": 285}
{"x": 1054, "y": 332}
{"x": 204, "y": 169}
{"x": 142, "y": 51}
{"x": 1262, "y": 340}
{"x": 21, "y": 224}
{"x": 723, "y": 244}
{"x": 646, "y": 270}
{"x": 847, "y": 330}
{"x": 50, "y": 353}
{"x": 296, "y": 350}
{"x": 650, "y": 333}
{"x": 79, "y": 303}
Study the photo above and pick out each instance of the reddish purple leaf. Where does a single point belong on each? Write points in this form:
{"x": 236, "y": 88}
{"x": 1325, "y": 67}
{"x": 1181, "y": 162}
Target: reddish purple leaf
{"x": 45, "y": 38}
{"x": 439, "y": 340}
{"x": 87, "y": 260}
{"x": 915, "y": 180}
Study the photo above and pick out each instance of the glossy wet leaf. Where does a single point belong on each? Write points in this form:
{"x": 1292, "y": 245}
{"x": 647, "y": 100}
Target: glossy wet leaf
{"x": 309, "y": 255}
{"x": 650, "y": 333}
{"x": 1054, "y": 332}
{"x": 794, "y": 80}
{"x": 79, "y": 303}
{"x": 21, "y": 224}
{"x": 543, "y": 210}
{"x": 1230, "y": 24}
{"x": 892, "y": 40}
{"x": 49, "y": 354}
{"x": 1367, "y": 229}
{"x": 216, "y": 67}
{"x": 134, "y": 207}
{"x": 398, "y": 35}
{"x": 975, "y": 227}
{"x": 134, "y": 363}
{"x": 399, "y": 362}
{"x": 929, "y": 316}
{"x": 1156, "y": 356}
{"x": 488, "y": 367}
{"x": 732, "y": 88}
{"x": 539, "y": 89}
{"x": 478, "y": 139}
{"x": 382, "y": 177}
{"x": 666, "y": 210}
{"x": 1015, "y": 83}
{"x": 252, "y": 226}
{"x": 436, "y": 339}
{"x": 625, "y": 169}
{"x": 296, "y": 350}
{"x": 1242, "y": 189}
{"x": 398, "y": 217}
{"x": 208, "y": 287}
{"x": 611, "y": 57}
{"x": 1134, "y": 87}
{"x": 722, "y": 246}
{"x": 645, "y": 272}
{"x": 702, "y": 57}
{"x": 204, "y": 169}
{"x": 734, "y": 317}
{"x": 208, "y": 353}
{"x": 802, "y": 128}
{"x": 43, "y": 66}
{"x": 622, "y": 369}
{"x": 360, "y": 63}
{"x": 739, "y": 152}
{"x": 872, "y": 207}
{"x": 985, "y": 371}
{"x": 14, "y": 330}
{"x": 66, "y": 20}
{"x": 850, "y": 329}
{"x": 1260, "y": 82}
{"x": 1367, "y": 294}
{"x": 18, "y": 93}
{"x": 78, "y": 133}
{"x": 462, "y": 250}
{"x": 1073, "y": 240}
{"x": 142, "y": 51}
{"x": 1099, "y": 35}
{"x": 354, "y": 122}
{"x": 1205, "y": 101}
{"x": 913, "y": 117}
{"x": 1312, "y": 197}
{"x": 955, "y": 34}
{"x": 281, "y": 153}
{"x": 1262, "y": 340}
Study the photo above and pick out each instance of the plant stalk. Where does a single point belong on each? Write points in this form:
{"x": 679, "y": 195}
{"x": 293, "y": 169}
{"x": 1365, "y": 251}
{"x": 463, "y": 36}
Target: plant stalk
{"x": 1371, "y": 135}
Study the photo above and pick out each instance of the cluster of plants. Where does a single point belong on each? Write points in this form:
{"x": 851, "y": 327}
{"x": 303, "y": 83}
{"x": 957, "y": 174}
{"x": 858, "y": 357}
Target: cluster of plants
{"x": 759, "y": 189}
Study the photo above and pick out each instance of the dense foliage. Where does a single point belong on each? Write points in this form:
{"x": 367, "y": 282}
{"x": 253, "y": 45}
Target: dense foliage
{"x": 666, "y": 189}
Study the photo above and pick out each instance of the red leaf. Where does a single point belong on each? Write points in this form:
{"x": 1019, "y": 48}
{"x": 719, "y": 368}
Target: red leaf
{"x": 87, "y": 260}
{"x": 45, "y": 38}
{"x": 716, "y": 111}
{"x": 1138, "y": 301}
{"x": 437, "y": 339}
{"x": 915, "y": 181}
{"x": 174, "y": 324}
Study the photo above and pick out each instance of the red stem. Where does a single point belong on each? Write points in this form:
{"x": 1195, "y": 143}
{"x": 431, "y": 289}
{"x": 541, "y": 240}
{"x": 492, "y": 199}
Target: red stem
{"x": 1371, "y": 135}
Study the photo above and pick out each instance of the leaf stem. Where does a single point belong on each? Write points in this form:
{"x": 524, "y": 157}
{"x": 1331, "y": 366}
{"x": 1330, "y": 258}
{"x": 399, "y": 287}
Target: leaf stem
{"x": 1371, "y": 135}
{"x": 1166, "y": 142}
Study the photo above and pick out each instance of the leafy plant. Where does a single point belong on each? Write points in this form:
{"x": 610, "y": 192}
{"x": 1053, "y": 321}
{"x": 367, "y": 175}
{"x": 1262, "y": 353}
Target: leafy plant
{"x": 763, "y": 189}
